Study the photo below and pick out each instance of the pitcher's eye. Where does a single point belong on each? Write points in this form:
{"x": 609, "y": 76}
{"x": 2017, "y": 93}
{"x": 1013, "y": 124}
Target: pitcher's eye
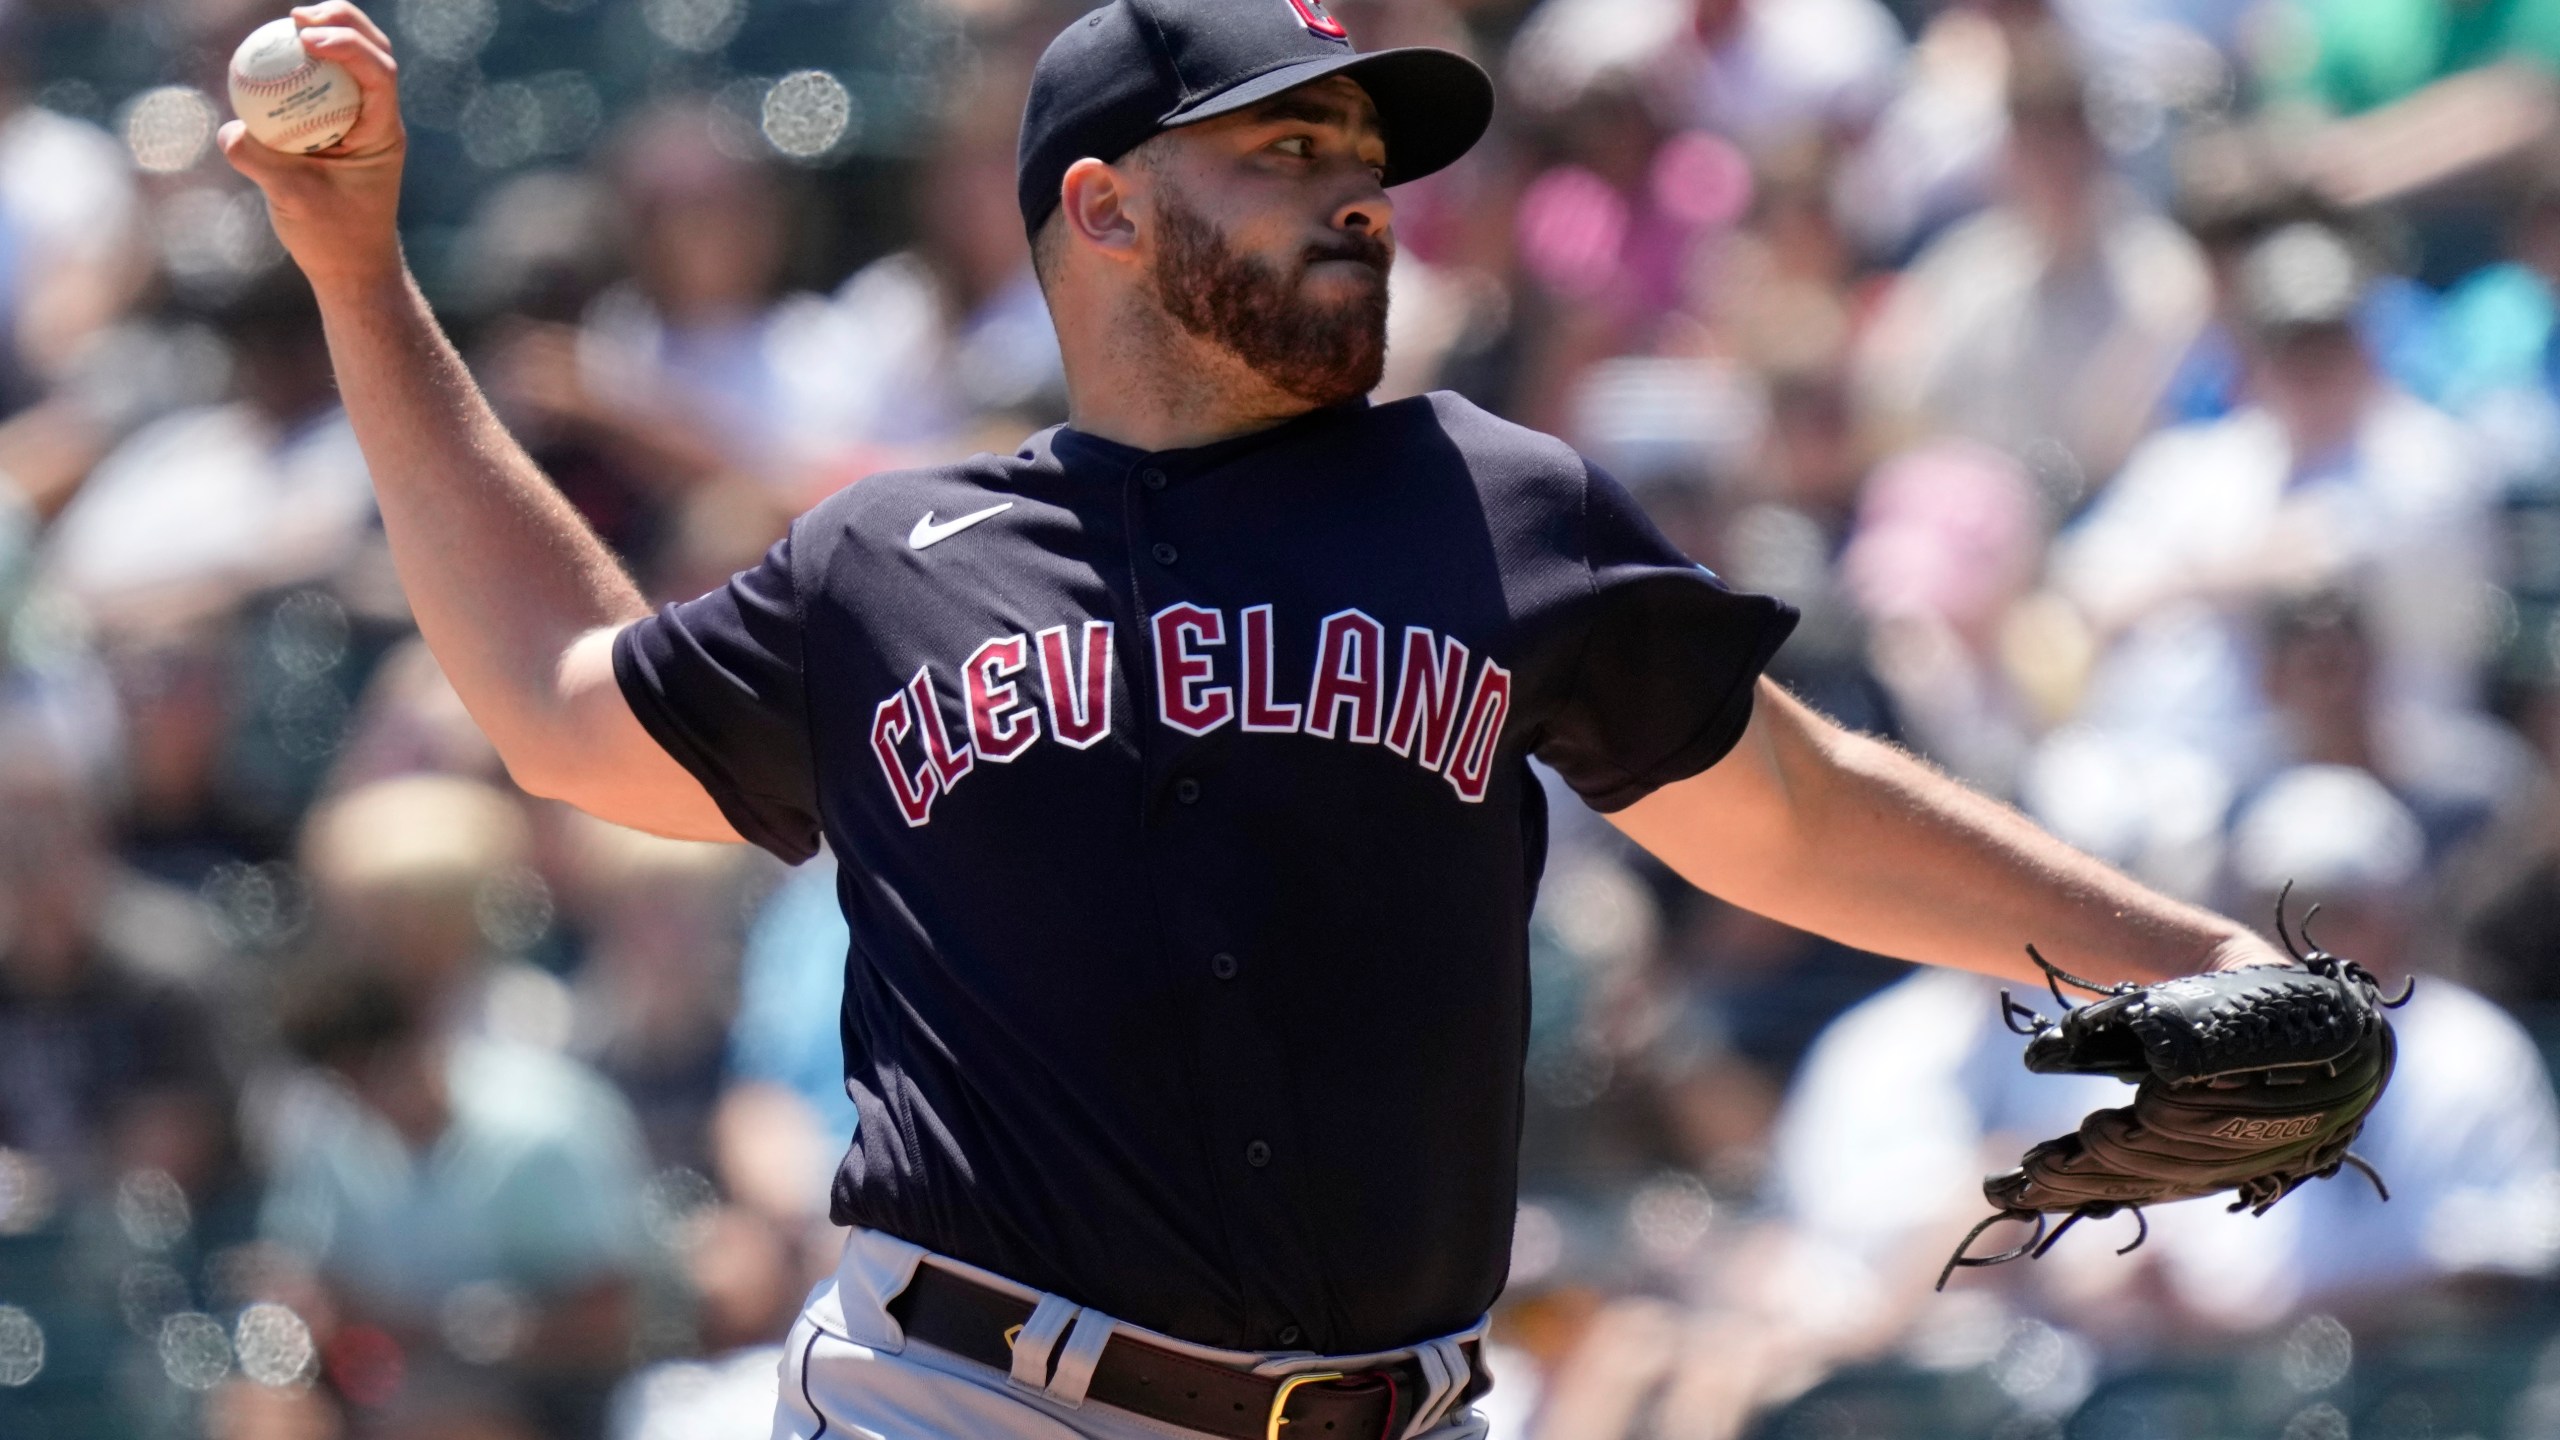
{"x": 1298, "y": 145}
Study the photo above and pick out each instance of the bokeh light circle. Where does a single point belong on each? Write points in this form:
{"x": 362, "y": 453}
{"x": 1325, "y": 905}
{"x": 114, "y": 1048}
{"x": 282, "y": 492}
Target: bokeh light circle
{"x": 194, "y": 1352}
{"x": 807, "y": 113}
{"x": 168, "y": 129}
{"x": 21, "y": 1346}
{"x": 274, "y": 1346}
{"x": 152, "y": 1210}
{"x": 697, "y": 26}
{"x": 2317, "y": 1354}
{"x": 449, "y": 30}
{"x": 502, "y": 126}
{"x": 149, "y": 1292}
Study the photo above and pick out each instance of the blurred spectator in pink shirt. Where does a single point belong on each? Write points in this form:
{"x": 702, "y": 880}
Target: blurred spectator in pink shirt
{"x": 1949, "y": 539}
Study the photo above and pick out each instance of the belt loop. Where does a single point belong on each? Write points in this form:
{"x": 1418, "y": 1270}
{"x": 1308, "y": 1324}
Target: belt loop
{"x": 1078, "y": 1357}
{"x": 1039, "y": 1336}
{"x": 1444, "y": 1369}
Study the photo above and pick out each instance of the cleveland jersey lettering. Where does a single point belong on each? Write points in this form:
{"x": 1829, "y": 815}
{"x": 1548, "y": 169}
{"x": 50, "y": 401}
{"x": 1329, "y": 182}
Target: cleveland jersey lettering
{"x": 1347, "y": 698}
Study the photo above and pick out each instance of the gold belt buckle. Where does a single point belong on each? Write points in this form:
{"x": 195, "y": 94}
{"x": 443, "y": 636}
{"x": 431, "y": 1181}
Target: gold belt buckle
{"x": 1280, "y": 1402}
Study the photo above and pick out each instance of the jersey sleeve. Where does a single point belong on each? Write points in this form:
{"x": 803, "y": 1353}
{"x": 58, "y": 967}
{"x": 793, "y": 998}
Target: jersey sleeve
{"x": 1668, "y": 655}
{"x": 718, "y": 682}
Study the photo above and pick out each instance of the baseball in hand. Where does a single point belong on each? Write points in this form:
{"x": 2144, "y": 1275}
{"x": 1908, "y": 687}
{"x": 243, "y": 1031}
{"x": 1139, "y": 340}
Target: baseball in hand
{"x": 290, "y": 100}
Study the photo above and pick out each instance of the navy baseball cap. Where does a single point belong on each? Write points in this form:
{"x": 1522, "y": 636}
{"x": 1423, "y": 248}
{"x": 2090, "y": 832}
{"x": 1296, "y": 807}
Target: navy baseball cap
{"x": 1136, "y": 68}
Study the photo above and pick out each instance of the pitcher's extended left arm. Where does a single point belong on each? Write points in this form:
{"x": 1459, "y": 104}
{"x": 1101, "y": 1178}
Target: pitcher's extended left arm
{"x": 1850, "y": 838}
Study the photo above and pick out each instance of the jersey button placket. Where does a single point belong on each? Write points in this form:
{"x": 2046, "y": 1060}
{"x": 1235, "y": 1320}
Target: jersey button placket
{"x": 1164, "y": 554}
{"x": 1223, "y": 965}
{"x": 1187, "y": 790}
{"x": 1257, "y": 1154}
{"x": 1152, "y": 478}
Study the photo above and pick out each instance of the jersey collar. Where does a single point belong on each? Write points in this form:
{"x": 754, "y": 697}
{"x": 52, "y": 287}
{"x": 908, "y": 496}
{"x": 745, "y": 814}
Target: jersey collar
{"x": 1075, "y": 449}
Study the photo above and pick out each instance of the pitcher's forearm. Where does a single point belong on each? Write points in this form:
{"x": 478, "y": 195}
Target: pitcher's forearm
{"x": 1855, "y": 840}
{"x": 1912, "y": 862}
{"x": 502, "y": 574}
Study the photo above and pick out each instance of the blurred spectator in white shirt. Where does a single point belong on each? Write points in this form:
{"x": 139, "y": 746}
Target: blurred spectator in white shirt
{"x": 1771, "y": 70}
{"x": 205, "y": 505}
{"x": 67, "y": 215}
{"x": 1933, "y": 153}
{"x": 2049, "y": 324}
{"x": 2332, "y": 477}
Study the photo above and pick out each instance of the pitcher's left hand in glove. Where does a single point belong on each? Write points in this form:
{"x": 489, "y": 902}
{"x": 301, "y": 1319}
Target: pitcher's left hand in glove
{"x": 2252, "y": 1080}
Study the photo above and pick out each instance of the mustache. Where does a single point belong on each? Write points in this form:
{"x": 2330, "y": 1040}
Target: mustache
{"x": 1355, "y": 246}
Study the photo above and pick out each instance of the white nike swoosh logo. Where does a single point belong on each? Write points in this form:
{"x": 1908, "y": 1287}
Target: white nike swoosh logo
{"x": 928, "y": 533}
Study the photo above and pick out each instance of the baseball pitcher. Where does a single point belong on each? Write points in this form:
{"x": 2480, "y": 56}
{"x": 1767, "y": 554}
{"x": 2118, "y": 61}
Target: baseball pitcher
{"x": 1177, "y": 760}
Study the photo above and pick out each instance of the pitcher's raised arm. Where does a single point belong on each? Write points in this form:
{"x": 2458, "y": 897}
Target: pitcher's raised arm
{"x": 518, "y": 599}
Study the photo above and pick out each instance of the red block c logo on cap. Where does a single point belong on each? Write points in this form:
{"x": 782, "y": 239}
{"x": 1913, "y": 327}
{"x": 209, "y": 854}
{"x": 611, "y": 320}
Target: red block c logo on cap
{"x": 1313, "y": 15}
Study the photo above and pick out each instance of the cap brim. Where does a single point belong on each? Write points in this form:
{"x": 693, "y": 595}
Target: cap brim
{"x": 1433, "y": 104}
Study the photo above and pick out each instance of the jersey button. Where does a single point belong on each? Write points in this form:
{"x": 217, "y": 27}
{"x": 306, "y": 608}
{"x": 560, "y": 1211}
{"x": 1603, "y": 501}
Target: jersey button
{"x": 1223, "y": 965}
{"x": 1187, "y": 790}
{"x": 1289, "y": 1335}
{"x": 1151, "y": 478}
{"x": 1165, "y": 554}
{"x": 1257, "y": 1154}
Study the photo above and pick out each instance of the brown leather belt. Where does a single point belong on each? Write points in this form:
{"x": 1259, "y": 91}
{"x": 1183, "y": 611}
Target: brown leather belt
{"x": 954, "y": 1313}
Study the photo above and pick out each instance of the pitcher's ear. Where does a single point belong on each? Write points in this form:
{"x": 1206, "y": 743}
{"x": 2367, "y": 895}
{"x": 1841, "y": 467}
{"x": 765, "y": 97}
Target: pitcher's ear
{"x": 1095, "y": 199}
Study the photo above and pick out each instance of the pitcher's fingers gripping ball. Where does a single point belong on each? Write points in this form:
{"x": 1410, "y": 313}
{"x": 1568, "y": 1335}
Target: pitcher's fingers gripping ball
{"x": 290, "y": 99}
{"x": 2252, "y": 1081}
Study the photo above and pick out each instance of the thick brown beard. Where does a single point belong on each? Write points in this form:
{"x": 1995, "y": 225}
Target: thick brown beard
{"x": 1322, "y": 354}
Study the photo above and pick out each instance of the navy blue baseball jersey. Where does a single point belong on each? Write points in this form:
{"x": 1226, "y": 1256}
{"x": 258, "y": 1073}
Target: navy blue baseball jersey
{"x": 1188, "y": 837}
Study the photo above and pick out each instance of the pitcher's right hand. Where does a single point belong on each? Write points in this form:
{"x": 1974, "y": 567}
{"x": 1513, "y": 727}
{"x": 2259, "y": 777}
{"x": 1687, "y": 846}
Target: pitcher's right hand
{"x": 337, "y": 210}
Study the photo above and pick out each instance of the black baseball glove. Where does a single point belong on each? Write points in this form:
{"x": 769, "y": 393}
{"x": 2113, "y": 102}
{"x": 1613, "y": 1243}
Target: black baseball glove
{"x": 2251, "y": 1081}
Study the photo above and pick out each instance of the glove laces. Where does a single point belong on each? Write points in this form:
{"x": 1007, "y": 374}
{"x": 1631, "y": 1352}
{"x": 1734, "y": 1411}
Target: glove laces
{"x": 2055, "y": 977}
{"x": 2311, "y": 956}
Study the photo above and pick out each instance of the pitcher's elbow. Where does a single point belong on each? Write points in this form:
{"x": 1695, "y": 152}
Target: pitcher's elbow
{"x": 542, "y": 772}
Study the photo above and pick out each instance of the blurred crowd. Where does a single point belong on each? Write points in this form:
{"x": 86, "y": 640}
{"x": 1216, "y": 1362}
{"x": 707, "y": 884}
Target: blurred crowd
{"x": 2153, "y": 406}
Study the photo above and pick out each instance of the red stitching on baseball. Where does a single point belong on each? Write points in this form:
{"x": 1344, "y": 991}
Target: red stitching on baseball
{"x": 318, "y": 123}
{"x": 289, "y": 81}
